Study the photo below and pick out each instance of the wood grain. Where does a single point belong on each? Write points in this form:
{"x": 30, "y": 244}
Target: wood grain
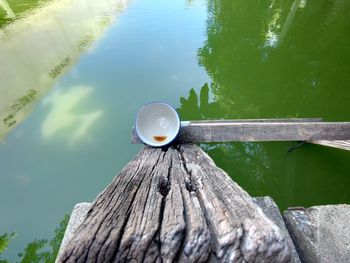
{"x": 339, "y": 144}
{"x": 260, "y": 130}
{"x": 175, "y": 205}
{"x": 264, "y": 131}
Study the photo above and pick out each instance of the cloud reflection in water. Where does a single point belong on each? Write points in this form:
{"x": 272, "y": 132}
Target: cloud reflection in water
{"x": 66, "y": 115}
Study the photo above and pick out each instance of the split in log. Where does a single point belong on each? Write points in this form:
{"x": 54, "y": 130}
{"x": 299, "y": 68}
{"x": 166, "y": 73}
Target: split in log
{"x": 175, "y": 205}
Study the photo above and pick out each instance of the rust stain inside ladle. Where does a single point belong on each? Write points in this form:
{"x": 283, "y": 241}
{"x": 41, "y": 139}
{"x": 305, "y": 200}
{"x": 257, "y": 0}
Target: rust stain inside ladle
{"x": 159, "y": 138}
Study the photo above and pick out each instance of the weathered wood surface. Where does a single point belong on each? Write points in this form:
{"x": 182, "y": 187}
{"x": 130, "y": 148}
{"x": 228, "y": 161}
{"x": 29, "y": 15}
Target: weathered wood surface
{"x": 136, "y": 140}
{"x": 344, "y": 145}
{"x": 260, "y": 130}
{"x": 265, "y": 131}
{"x": 175, "y": 205}
{"x": 257, "y": 120}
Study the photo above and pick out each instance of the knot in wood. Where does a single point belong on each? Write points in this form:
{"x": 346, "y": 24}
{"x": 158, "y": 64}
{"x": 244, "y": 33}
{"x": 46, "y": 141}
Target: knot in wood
{"x": 164, "y": 186}
{"x": 190, "y": 186}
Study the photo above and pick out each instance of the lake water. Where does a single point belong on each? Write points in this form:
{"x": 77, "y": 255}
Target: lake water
{"x": 73, "y": 73}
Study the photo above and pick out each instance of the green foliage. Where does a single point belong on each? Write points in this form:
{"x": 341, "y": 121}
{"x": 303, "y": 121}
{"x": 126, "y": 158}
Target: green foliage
{"x": 39, "y": 250}
{"x": 60, "y": 67}
{"x": 25, "y": 100}
{"x": 4, "y": 240}
{"x": 18, "y": 105}
{"x": 85, "y": 42}
{"x": 44, "y": 250}
{"x": 32, "y": 253}
{"x": 55, "y": 243}
{"x": 18, "y": 8}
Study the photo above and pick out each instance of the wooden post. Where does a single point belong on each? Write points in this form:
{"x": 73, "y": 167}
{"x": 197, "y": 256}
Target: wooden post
{"x": 175, "y": 205}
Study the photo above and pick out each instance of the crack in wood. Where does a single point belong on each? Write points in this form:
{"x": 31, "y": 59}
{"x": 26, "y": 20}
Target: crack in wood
{"x": 161, "y": 216}
{"x": 130, "y": 241}
{"x": 174, "y": 205}
{"x": 165, "y": 182}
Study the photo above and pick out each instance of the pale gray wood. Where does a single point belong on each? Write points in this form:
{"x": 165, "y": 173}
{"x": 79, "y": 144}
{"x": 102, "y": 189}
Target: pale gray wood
{"x": 259, "y": 130}
{"x": 265, "y": 131}
{"x": 240, "y": 230}
{"x": 259, "y": 120}
{"x": 197, "y": 242}
{"x": 339, "y": 144}
{"x": 173, "y": 222}
{"x": 175, "y": 205}
{"x": 143, "y": 222}
{"x": 97, "y": 238}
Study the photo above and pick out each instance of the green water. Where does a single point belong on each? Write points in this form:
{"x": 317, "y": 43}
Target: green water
{"x": 74, "y": 72}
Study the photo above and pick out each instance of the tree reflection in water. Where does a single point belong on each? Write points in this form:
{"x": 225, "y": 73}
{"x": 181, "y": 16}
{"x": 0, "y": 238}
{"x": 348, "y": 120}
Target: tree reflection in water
{"x": 39, "y": 250}
{"x": 278, "y": 59}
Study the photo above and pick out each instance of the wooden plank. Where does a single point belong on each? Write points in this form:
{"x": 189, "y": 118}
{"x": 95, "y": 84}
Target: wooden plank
{"x": 258, "y": 120}
{"x": 233, "y": 130}
{"x": 339, "y": 144}
{"x": 265, "y": 131}
{"x": 136, "y": 140}
{"x": 175, "y": 205}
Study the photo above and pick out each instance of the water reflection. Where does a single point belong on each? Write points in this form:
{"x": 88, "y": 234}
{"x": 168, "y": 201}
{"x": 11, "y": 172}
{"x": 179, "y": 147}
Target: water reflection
{"x": 42, "y": 44}
{"x": 193, "y": 108}
{"x": 276, "y": 32}
{"x": 123, "y": 72}
{"x": 66, "y": 117}
{"x": 279, "y": 58}
{"x": 38, "y": 250}
{"x": 6, "y": 7}
{"x": 276, "y": 59}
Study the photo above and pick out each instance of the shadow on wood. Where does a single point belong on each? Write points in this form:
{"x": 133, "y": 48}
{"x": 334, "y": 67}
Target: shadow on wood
{"x": 175, "y": 205}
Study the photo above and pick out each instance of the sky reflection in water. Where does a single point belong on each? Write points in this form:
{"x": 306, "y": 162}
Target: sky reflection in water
{"x": 65, "y": 116}
{"x": 92, "y": 64}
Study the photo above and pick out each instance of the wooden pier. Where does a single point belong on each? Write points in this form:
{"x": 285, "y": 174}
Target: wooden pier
{"x": 173, "y": 204}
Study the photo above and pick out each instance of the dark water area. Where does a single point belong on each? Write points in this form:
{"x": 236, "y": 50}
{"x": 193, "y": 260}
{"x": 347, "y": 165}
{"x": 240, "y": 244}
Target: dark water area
{"x": 73, "y": 74}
